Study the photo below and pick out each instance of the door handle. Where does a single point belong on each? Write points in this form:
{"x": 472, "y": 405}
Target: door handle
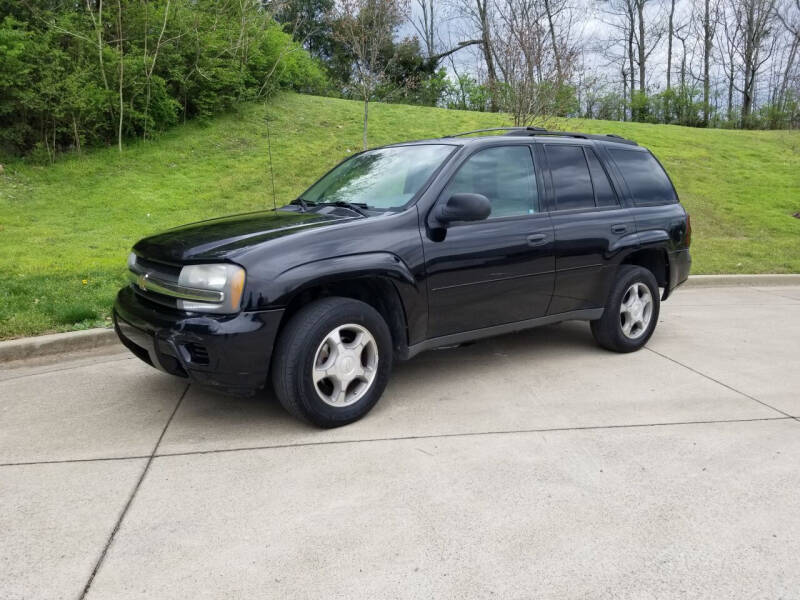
{"x": 537, "y": 239}
{"x": 619, "y": 228}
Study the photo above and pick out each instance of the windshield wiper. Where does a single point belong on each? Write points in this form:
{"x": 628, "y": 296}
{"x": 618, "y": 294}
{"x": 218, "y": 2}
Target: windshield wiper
{"x": 359, "y": 207}
{"x": 303, "y": 203}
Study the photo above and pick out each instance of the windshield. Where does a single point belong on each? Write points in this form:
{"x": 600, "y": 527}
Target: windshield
{"x": 383, "y": 178}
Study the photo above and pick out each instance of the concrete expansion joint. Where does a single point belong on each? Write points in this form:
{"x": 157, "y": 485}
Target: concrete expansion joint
{"x": 433, "y": 436}
{"x": 135, "y": 490}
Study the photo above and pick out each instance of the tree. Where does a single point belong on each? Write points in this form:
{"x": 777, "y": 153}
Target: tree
{"x": 411, "y": 76}
{"x": 756, "y": 20}
{"x": 366, "y": 27}
{"x": 670, "y": 36}
{"x": 730, "y": 36}
{"x": 647, "y": 39}
{"x": 97, "y": 72}
{"x": 620, "y": 16}
{"x": 425, "y": 25}
{"x": 789, "y": 16}
{"x": 536, "y": 58}
{"x": 480, "y": 17}
{"x": 707, "y": 28}
{"x": 150, "y": 60}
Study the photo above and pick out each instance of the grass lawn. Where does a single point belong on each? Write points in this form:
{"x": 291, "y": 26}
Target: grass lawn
{"x": 66, "y": 229}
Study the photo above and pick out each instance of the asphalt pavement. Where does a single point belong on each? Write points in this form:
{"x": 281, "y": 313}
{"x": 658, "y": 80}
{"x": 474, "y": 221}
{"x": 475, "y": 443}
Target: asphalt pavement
{"x": 534, "y": 465}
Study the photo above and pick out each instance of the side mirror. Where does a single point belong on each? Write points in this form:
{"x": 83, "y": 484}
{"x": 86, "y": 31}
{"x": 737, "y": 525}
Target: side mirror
{"x": 463, "y": 207}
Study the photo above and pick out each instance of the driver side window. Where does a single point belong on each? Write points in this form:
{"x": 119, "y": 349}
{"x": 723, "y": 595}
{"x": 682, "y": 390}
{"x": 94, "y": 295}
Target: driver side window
{"x": 504, "y": 174}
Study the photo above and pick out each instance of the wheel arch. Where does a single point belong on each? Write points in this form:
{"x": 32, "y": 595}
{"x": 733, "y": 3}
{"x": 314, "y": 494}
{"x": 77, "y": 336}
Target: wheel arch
{"x": 655, "y": 260}
{"x": 379, "y": 279}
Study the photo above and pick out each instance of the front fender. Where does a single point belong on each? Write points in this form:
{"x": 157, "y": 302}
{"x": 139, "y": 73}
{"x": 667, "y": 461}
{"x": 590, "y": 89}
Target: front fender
{"x": 386, "y": 265}
{"x": 327, "y": 270}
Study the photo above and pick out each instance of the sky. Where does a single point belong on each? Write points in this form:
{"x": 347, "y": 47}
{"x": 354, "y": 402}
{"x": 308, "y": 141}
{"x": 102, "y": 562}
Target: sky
{"x": 590, "y": 29}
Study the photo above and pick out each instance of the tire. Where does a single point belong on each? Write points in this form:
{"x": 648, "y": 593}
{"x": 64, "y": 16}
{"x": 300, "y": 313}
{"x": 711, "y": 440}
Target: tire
{"x": 619, "y": 329}
{"x": 324, "y": 338}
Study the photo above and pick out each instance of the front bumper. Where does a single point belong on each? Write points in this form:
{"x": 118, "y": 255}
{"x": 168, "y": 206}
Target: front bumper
{"x": 229, "y": 352}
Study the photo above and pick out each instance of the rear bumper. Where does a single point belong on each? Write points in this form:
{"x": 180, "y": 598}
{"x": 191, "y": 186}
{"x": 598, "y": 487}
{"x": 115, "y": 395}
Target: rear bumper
{"x": 680, "y": 264}
{"x": 229, "y": 352}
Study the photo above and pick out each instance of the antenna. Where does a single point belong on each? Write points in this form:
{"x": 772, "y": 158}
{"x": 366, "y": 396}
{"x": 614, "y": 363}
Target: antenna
{"x": 271, "y": 172}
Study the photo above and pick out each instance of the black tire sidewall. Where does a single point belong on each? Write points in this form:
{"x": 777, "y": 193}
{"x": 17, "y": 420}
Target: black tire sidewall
{"x": 608, "y": 330}
{"x": 312, "y": 406}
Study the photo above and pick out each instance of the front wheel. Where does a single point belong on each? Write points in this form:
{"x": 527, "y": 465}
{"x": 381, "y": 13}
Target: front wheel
{"x": 332, "y": 361}
{"x": 631, "y": 311}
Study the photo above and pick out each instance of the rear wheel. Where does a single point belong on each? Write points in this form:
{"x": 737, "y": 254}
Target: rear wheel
{"x": 332, "y": 361}
{"x": 631, "y": 311}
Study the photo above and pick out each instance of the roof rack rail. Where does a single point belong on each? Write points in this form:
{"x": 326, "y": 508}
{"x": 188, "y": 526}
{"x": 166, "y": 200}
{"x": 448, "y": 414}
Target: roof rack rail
{"x": 584, "y": 136}
{"x": 463, "y": 133}
{"x": 536, "y": 131}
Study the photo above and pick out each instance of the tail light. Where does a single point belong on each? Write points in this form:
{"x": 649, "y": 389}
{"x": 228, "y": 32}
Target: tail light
{"x": 688, "y": 230}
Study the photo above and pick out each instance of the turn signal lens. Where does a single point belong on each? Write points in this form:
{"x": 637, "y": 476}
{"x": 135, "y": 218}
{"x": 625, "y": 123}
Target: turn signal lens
{"x": 236, "y": 288}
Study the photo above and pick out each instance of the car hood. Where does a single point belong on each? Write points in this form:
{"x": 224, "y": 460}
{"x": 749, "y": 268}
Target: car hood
{"x": 222, "y": 238}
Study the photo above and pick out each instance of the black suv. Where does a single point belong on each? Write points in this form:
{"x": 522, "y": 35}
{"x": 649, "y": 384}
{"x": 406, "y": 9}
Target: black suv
{"x": 406, "y": 248}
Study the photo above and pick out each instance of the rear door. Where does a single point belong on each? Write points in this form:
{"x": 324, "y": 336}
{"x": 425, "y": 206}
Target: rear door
{"x": 589, "y": 221}
{"x": 499, "y": 270}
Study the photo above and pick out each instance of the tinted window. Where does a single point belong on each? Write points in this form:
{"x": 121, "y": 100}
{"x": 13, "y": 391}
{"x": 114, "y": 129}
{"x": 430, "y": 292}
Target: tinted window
{"x": 645, "y": 178}
{"x": 571, "y": 181}
{"x": 603, "y": 191}
{"x": 504, "y": 175}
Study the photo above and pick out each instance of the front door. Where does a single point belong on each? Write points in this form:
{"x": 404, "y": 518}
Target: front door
{"x": 499, "y": 270}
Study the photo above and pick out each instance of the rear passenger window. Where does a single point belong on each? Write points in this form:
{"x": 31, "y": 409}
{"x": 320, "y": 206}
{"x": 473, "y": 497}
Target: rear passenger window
{"x": 571, "y": 180}
{"x": 504, "y": 175}
{"x": 647, "y": 181}
{"x": 604, "y": 194}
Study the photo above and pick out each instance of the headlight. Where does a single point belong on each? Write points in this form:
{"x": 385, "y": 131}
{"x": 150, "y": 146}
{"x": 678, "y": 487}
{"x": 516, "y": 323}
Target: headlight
{"x": 227, "y": 280}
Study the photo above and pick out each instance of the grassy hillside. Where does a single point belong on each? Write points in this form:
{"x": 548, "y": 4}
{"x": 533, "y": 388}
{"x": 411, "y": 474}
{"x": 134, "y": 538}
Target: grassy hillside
{"x": 66, "y": 229}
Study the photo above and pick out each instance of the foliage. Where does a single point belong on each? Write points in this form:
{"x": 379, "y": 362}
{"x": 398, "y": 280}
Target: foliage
{"x": 411, "y": 78}
{"x": 366, "y": 30}
{"x": 67, "y": 81}
{"x": 465, "y": 93}
{"x": 336, "y": 35}
{"x": 779, "y": 115}
{"x": 75, "y": 221}
{"x": 308, "y": 22}
{"x": 608, "y": 107}
{"x": 682, "y": 105}
{"x": 527, "y": 100}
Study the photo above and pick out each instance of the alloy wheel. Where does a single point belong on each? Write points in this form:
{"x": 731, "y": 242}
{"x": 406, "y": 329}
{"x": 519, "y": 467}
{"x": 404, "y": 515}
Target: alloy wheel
{"x": 636, "y": 310}
{"x": 345, "y": 365}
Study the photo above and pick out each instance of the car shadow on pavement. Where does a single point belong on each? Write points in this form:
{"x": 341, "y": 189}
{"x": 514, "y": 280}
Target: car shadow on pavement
{"x": 448, "y": 371}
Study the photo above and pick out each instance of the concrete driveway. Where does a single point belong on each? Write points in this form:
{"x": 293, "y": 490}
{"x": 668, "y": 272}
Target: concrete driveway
{"x": 534, "y": 465}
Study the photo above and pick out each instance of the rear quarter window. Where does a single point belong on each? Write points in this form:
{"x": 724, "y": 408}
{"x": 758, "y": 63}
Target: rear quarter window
{"x": 646, "y": 179}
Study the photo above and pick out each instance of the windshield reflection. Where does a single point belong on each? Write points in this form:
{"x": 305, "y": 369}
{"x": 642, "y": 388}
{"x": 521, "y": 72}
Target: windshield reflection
{"x": 383, "y": 178}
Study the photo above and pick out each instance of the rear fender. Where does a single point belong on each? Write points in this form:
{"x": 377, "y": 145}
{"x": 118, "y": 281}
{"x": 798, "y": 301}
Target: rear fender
{"x": 624, "y": 245}
{"x": 654, "y": 239}
{"x": 618, "y": 250}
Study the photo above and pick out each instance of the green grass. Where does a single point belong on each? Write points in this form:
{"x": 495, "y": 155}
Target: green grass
{"x": 66, "y": 229}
